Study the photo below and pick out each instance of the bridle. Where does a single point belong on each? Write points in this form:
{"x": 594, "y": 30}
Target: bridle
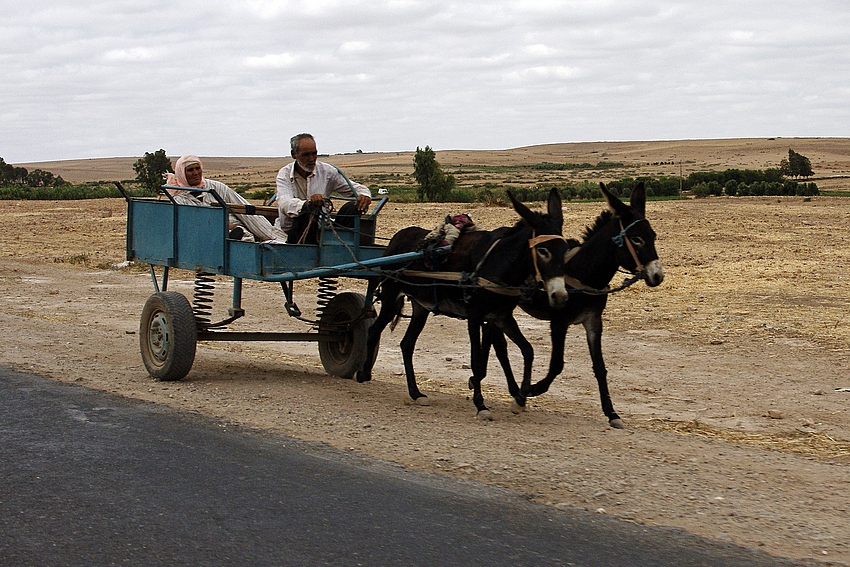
{"x": 533, "y": 242}
{"x": 622, "y": 238}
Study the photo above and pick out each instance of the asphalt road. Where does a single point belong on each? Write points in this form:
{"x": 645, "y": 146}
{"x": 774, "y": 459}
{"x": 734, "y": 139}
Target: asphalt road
{"x": 90, "y": 479}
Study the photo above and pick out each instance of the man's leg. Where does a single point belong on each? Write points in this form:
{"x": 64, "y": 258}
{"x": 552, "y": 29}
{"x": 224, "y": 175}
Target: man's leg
{"x": 306, "y": 221}
{"x": 345, "y": 215}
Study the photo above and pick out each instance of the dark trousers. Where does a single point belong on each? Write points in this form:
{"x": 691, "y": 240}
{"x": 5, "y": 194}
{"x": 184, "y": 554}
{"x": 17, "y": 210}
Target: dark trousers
{"x": 308, "y": 220}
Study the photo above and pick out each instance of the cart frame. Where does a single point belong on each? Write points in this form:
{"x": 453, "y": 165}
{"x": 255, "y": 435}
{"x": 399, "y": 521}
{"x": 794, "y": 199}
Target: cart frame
{"x": 163, "y": 233}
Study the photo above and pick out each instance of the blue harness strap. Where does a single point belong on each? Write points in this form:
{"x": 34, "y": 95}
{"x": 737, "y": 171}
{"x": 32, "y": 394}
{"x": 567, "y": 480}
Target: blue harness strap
{"x": 620, "y": 239}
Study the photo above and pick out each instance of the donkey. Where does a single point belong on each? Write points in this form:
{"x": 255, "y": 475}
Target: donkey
{"x": 488, "y": 270}
{"x": 621, "y": 238}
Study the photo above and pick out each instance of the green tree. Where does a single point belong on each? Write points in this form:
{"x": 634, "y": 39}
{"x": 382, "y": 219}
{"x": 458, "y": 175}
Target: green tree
{"x": 6, "y": 171}
{"x": 11, "y": 175}
{"x": 40, "y": 178}
{"x": 151, "y": 169}
{"x": 798, "y": 164}
{"x": 434, "y": 185}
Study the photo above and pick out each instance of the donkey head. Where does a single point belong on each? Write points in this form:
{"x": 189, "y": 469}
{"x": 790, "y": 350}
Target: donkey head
{"x": 548, "y": 247}
{"x": 636, "y": 239}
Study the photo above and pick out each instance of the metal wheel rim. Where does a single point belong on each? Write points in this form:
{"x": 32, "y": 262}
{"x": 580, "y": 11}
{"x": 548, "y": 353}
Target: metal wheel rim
{"x": 342, "y": 349}
{"x": 159, "y": 337}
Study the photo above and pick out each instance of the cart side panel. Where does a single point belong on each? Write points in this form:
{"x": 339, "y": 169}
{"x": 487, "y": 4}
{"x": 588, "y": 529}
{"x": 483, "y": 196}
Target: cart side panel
{"x": 246, "y": 259}
{"x": 202, "y": 232}
{"x": 150, "y": 232}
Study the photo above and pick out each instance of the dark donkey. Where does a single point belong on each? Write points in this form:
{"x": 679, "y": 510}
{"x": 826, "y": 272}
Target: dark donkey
{"x": 488, "y": 270}
{"x": 621, "y": 238}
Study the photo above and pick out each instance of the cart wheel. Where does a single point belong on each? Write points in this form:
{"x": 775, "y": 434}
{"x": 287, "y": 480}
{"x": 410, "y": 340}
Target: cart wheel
{"x": 167, "y": 336}
{"x": 345, "y": 358}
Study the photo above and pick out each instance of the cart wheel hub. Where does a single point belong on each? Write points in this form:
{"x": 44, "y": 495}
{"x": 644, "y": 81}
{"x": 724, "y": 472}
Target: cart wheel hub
{"x": 159, "y": 338}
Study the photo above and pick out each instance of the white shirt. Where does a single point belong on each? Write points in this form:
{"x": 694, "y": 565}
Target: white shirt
{"x": 324, "y": 180}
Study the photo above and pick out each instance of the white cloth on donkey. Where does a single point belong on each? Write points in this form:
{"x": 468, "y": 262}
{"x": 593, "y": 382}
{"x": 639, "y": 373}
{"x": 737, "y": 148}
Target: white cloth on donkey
{"x": 446, "y": 232}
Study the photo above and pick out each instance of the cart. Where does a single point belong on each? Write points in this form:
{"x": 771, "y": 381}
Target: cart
{"x": 167, "y": 235}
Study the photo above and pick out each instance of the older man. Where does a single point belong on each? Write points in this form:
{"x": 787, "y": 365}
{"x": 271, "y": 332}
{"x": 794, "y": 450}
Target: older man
{"x": 303, "y": 186}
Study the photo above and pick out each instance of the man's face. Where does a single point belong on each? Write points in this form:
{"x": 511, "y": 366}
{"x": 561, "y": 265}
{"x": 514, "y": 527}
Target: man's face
{"x": 194, "y": 174}
{"x": 306, "y": 154}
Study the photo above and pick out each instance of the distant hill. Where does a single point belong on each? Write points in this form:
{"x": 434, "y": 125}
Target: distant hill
{"x": 830, "y": 158}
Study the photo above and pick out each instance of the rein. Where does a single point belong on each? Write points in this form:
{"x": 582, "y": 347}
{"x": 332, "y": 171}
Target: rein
{"x": 622, "y": 238}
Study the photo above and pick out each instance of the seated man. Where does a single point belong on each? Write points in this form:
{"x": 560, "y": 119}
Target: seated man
{"x": 188, "y": 172}
{"x": 303, "y": 186}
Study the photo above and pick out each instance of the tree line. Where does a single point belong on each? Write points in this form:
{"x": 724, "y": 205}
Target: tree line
{"x": 433, "y": 184}
{"x": 11, "y": 175}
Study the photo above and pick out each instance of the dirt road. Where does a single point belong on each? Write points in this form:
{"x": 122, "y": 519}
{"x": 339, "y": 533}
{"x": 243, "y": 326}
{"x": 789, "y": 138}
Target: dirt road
{"x": 728, "y": 375}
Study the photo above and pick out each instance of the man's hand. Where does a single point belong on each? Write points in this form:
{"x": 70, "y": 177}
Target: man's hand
{"x": 316, "y": 199}
{"x": 363, "y": 202}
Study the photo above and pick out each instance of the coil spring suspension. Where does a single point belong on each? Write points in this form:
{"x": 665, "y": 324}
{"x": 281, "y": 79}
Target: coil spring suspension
{"x": 202, "y": 298}
{"x": 326, "y": 292}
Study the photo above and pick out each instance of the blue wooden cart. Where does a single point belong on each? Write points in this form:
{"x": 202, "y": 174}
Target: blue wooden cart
{"x": 165, "y": 234}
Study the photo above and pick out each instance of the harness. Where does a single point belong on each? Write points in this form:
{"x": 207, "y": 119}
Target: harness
{"x": 621, "y": 238}
{"x": 473, "y": 279}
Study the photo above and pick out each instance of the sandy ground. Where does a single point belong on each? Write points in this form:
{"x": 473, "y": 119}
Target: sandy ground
{"x": 728, "y": 375}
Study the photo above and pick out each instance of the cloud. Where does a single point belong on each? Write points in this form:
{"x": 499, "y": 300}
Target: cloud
{"x": 354, "y": 47}
{"x": 133, "y": 54}
{"x": 272, "y": 61}
{"x": 220, "y": 78}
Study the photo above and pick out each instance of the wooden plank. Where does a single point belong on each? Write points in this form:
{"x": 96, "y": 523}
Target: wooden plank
{"x": 243, "y": 209}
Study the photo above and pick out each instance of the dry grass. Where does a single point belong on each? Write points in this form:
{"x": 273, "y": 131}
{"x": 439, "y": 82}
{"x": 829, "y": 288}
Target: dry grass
{"x": 808, "y": 443}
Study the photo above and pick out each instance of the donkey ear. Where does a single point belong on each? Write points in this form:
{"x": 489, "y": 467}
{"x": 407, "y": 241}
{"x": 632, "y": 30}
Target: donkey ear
{"x": 554, "y": 207}
{"x": 619, "y": 207}
{"x": 523, "y": 211}
{"x": 638, "y": 200}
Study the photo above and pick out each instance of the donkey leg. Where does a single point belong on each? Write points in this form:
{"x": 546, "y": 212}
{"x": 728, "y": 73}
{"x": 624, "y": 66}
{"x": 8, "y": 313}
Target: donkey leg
{"x": 408, "y": 344}
{"x": 558, "y": 334}
{"x": 486, "y": 342}
{"x": 510, "y": 328}
{"x": 478, "y": 361}
{"x": 494, "y": 336}
{"x": 593, "y": 330}
{"x": 373, "y": 337}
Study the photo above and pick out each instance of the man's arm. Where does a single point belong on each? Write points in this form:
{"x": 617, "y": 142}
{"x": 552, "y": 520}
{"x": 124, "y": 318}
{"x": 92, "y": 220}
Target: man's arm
{"x": 288, "y": 203}
{"x": 337, "y": 181}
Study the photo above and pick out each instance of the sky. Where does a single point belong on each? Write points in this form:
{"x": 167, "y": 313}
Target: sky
{"x": 87, "y": 79}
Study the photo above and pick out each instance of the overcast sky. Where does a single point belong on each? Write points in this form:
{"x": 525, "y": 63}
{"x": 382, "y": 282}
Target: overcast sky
{"x": 85, "y": 79}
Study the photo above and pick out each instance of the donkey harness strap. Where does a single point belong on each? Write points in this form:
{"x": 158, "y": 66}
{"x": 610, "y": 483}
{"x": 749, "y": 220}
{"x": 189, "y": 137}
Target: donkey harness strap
{"x": 459, "y": 276}
{"x": 533, "y": 242}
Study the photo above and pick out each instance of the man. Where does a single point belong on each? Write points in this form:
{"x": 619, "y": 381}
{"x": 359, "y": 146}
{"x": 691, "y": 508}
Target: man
{"x": 303, "y": 186}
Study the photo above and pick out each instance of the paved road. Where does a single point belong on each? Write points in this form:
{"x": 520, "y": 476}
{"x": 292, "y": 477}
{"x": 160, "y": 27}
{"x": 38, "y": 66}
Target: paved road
{"x": 90, "y": 479}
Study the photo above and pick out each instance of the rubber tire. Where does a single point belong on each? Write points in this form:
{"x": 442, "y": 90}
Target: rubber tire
{"x": 168, "y": 336}
{"x": 346, "y": 358}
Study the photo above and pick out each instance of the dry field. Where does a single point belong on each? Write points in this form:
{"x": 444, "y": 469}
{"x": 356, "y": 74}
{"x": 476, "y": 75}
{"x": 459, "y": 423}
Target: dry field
{"x": 830, "y": 159}
{"x": 732, "y": 376}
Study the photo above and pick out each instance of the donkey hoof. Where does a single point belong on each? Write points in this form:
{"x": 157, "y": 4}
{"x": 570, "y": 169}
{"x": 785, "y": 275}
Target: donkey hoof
{"x": 361, "y": 377}
{"x": 617, "y": 423}
{"x": 422, "y": 401}
{"x": 516, "y": 408}
{"x": 484, "y": 415}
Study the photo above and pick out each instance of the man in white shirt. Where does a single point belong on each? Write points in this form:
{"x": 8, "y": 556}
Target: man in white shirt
{"x": 303, "y": 186}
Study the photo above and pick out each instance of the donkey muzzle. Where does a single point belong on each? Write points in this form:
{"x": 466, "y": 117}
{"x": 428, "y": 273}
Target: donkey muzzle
{"x": 654, "y": 273}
